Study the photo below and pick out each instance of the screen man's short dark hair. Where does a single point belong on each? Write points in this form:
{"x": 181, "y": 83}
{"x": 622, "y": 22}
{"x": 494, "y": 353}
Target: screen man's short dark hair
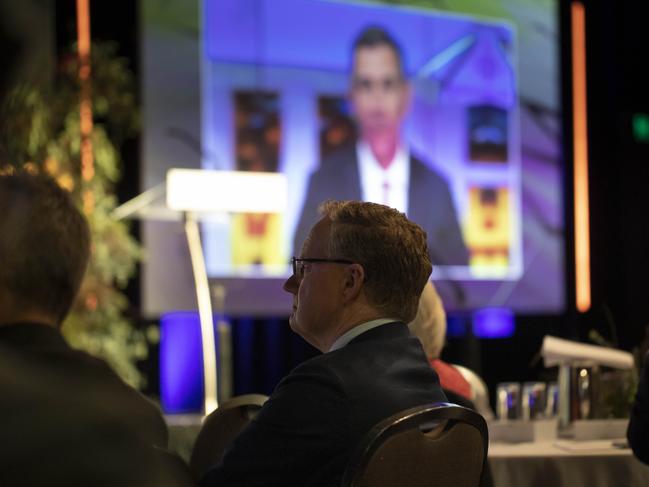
{"x": 44, "y": 245}
{"x": 376, "y": 36}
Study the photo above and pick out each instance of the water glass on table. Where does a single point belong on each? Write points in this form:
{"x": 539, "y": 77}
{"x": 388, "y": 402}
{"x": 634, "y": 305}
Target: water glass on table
{"x": 534, "y": 400}
{"x": 508, "y": 400}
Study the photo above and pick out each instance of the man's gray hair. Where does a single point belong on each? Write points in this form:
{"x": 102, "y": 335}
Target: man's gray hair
{"x": 391, "y": 249}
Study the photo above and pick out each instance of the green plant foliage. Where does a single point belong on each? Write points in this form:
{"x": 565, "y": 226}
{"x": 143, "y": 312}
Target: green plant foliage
{"x": 479, "y": 7}
{"x": 616, "y": 393}
{"x": 617, "y": 388}
{"x": 40, "y": 131}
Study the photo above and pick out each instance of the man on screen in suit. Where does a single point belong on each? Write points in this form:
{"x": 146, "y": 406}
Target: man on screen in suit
{"x": 356, "y": 283}
{"x": 65, "y": 417}
{"x": 380, "y": 166}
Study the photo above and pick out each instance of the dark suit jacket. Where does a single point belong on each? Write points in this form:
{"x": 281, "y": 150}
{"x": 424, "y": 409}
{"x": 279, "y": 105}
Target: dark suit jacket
{"x": 429, "y": 203}
{"x": 638, "y": 430}
{"x": 317, "y": 415}
{"x": 68, "y": 419}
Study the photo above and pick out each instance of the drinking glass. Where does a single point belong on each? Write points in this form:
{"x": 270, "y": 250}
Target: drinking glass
{"x": 534, "y": 394}
{"x": 508, "y": 400}
{"x": 552, "y": 400}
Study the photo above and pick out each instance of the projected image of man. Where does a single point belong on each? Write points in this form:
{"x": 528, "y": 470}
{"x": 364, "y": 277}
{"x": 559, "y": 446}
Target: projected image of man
{"x": 379, "y": 166}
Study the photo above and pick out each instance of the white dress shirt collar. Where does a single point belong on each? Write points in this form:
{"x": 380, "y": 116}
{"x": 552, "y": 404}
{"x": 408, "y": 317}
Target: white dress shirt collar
{"x": 348, "y": 336}
{"x": 385, "y": 186}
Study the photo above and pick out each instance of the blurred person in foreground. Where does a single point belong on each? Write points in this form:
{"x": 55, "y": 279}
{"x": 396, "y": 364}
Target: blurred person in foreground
{"x": 461, "y": 385}
{"x": 66, "y": 417}
{"x": 638, "y": 429}
{"x": 356, "y": 283}
{"x": 380, "y": 166}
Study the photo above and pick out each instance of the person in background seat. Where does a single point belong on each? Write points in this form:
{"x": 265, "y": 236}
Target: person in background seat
{"x": 65, "y": 417}
{"x": 461, "y": 385}
{"x": 638, "y": 429}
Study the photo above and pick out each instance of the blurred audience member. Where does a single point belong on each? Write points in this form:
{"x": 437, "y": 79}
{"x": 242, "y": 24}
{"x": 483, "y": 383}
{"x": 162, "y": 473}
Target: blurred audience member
{"x": 638, "y": 431}
{"x": 459, "y": 383}
{"x": 66, "y": 417}
{"x": 356, "y": 283}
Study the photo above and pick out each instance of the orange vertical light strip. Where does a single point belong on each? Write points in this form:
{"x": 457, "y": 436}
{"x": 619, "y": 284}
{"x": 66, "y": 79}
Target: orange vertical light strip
{"x": 580, "y": 143}
{"x": 85, "y": 110}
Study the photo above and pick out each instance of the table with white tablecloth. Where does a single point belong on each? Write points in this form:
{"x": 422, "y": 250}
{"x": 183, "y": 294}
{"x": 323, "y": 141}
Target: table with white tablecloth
{"x": 565, "y": 463}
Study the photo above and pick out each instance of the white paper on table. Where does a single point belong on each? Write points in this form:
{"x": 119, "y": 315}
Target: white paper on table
{"x": 591, "y": 445}
{"x": 556, "y": 351}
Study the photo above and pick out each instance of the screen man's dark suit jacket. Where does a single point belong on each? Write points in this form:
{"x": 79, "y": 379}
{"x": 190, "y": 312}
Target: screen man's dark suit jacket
{"x": 305, "y": 433}
{"x": 66, "y": 419}
{"x": 429, "y": 203}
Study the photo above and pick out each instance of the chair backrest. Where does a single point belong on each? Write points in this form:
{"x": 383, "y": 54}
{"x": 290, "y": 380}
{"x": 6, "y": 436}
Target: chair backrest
{"x": 219, "y": 429}
{"x": 439, "y": 444}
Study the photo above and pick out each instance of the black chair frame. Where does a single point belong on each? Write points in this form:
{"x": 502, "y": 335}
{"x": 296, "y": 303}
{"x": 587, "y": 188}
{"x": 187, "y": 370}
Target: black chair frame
{"x": 213, "y": 438}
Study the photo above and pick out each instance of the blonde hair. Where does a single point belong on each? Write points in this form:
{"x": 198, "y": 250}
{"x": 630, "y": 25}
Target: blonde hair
{"x": 429, "y": 324}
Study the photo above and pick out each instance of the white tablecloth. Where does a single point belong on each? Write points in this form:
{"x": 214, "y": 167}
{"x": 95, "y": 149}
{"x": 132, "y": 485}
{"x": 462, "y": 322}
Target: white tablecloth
{"x": 566, "y": 463}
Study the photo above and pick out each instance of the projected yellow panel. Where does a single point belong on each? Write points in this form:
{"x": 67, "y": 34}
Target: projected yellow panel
{"x": 257, "y": 239}
{"x": 488, "y": 226}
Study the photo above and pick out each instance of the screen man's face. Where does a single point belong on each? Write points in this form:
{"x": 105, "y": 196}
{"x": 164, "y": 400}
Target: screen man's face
{"x": 379, "y": 93}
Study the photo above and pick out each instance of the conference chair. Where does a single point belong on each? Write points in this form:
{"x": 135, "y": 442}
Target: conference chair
{"x": 439, "y": 444}
{"x": 220, "y": 428}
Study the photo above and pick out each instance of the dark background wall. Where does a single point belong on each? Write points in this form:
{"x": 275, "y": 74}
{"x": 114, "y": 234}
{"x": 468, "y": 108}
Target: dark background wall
{"x": 619, "y": 169}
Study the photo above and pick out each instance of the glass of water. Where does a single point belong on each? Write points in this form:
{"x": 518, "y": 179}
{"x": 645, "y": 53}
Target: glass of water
{"x": 508, "y": 400}
{"x": 552, "y": 400}
{"x": 534, "y": 400}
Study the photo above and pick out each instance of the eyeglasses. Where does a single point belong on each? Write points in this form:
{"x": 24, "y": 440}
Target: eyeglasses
{"x": 298, "y": 264}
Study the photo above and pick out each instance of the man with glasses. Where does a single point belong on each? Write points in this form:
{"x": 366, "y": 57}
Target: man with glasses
{"x": 355, "y": 284}
{"x": 380, "y": 166}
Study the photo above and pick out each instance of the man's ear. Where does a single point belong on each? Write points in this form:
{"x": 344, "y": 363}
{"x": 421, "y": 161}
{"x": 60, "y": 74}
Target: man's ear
{"x": 354, "y": 280}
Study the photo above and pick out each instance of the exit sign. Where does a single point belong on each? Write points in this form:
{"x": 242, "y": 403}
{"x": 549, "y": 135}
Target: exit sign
{"x": 641, "y": 127}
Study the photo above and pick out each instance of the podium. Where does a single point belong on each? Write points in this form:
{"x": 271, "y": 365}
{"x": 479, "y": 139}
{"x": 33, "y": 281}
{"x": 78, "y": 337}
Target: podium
{"x": 191, "y": 195}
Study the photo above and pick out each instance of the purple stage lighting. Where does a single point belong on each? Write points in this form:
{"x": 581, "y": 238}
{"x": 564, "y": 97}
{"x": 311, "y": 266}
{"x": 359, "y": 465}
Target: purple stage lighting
{"x": 181, "y": 363}
{"x": 493, "y": 323}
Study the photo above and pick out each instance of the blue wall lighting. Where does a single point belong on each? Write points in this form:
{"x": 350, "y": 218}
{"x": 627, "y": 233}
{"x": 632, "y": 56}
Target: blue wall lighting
{"x": 493, "y": 323}
{"x": 181, "y": 362}
{"x": 456, "y": 325}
